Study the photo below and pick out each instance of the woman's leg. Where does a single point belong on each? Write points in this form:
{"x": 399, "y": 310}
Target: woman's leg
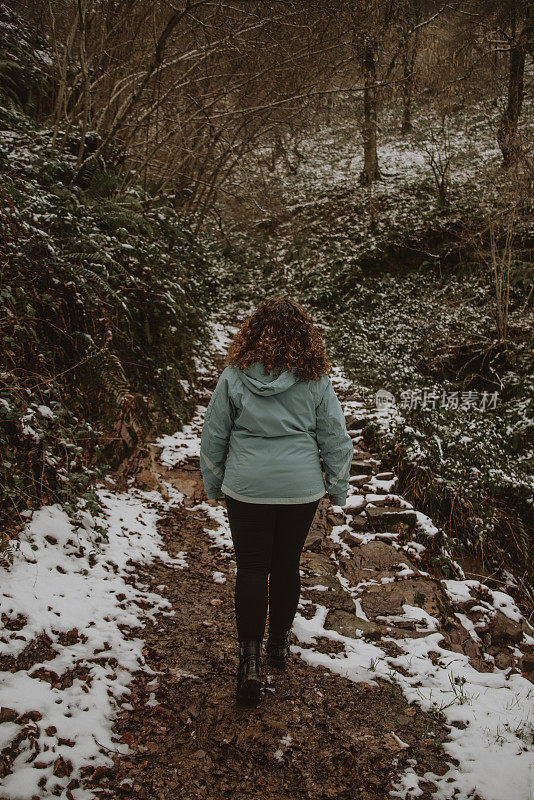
{"x": 292, "y": 525}
{"x": 252, "y": 529}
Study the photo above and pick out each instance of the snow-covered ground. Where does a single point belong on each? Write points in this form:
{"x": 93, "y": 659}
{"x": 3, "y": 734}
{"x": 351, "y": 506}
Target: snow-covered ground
{"x": 331, "y": 159}
{"x": 63, "y": 586}
{"x": 77, "y": 592}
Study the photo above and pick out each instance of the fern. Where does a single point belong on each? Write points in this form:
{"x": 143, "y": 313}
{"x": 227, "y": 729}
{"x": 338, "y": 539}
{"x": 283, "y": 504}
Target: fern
{"x": 113, "y": 215}
{"x": 102, "y": 300}
{"x": 95, "y": 178}
{"x": 7, "y": 552}
{"x": 111, "y": 377}
{"x": 14, "y": 84}
{"x": 82, "y": 276}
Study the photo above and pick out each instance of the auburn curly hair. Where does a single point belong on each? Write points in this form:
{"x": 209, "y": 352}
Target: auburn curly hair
{"x": 280, "y": 333}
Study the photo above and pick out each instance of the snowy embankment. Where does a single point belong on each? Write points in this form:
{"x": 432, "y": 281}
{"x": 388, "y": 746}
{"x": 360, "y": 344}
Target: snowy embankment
{"x": 66, "y": 609}
{"x": 69, "y": 604}
{"x": 79, "y": 604}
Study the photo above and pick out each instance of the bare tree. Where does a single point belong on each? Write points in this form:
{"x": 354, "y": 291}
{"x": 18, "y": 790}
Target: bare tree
{"x": 516, "y": 29}
{"x": 185, "y": 90}
{"x": 504, "y": 27}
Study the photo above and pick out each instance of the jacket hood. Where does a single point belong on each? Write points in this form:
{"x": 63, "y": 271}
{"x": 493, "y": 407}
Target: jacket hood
{"x": 266, "y": 383}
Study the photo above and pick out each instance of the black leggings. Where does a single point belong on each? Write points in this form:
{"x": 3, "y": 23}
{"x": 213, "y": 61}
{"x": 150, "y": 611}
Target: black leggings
{"x": 268, "y": 541}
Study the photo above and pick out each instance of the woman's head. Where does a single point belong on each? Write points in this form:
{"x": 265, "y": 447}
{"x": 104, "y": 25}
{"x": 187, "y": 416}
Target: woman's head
{"x": 280, "y": 333}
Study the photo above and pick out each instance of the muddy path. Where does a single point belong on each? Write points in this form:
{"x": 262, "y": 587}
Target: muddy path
{"x": 378, "y": 635}
{"x": 315, "y": 734}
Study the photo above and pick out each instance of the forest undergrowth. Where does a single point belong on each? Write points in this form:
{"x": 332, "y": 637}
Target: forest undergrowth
{"x": 104, "y": 299}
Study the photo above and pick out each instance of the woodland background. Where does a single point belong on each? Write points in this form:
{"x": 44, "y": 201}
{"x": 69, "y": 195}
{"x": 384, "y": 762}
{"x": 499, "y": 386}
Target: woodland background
{"x": 373, "y": 159}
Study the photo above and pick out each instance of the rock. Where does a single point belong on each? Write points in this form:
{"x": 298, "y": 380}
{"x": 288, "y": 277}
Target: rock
{"x": 318, "y": 564}
{"x": 503, "y": 660}
{"x": 388, "y": 598}
{"x": 377, "y": 500}
{"x": 186, "y": 482}
{"x": 384, "y": 476}
{"x": 147, "y": 480}
{"x": 527, "y": 663}
{"x": 460, "y": 641}
{"x": 335, "y": 519}
{"x": 355, "y": 502}
{"x": 314, "y": 541}
{"x": 466, "y": 605}
{"x": 501, "y": 630}
{"x": 359, "y": 480}
{"x": 341, "y": 601}
{"x": 348, "y": 624}
{"x": 359, "y": 522}
{"x": 348, "y": 537}
{"x": 354, "y": 423}
{"x": 382, "y": 516}
{"x": 320, "y": 522}
{"x": 379, "y": 556}
{"x": 331, "y": 582}
{"x": 359, "y": 467}
{"x": 406, "y": 624}
{"x": 374, "y": 561}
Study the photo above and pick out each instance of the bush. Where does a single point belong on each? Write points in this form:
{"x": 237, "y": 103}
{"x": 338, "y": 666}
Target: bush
{"x": 103, "y": 300}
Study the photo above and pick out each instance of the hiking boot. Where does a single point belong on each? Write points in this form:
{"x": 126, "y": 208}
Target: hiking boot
{"x": 249, "y": 674}
{"x": 277, "y": 647}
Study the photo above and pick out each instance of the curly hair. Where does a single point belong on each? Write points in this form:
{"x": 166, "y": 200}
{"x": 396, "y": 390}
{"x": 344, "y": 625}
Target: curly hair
{"x": 280, "y": 334}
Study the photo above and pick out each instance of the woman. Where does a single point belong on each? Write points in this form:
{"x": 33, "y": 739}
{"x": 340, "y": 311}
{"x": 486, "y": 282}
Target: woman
{"x": 272, "y": 416}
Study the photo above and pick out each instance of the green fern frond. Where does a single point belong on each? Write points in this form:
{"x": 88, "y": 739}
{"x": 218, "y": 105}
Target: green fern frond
{"x": 83, "y": 276}
{"x": 7, "y": 552}
{"x": 12, "y": 83}
{"x": 111, "y": 375}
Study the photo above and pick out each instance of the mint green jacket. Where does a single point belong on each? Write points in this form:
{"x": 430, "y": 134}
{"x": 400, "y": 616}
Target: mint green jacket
{"x": 264, "y": 436}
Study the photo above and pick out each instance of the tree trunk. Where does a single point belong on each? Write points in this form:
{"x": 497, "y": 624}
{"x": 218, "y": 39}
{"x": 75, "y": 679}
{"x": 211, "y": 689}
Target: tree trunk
{"x": 370, "y": 171}
{"x": 406, "y": 125}
{"x": 407, "y": 86}
{"x": 507, "y": 131}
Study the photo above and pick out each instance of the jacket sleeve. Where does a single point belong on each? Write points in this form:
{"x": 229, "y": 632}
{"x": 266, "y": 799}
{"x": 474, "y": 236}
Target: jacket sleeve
{"x": 215, "y": 437}
{"x": 335, "y": 445}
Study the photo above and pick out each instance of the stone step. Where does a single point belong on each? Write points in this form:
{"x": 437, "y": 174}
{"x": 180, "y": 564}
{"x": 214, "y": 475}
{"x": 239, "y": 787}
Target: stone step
{"x": 384, "y": 476}
{"x": 354, "y": 423}
{"x": 348, "y": 624}
{"x": 359, "y": 523}
{"x": 390, "y": 513}
{"x": 358, "y": 480}
{"x": 359, "y": 467}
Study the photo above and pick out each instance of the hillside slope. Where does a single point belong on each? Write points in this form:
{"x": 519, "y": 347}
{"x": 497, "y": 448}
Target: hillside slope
{"x": 401, "y": 684}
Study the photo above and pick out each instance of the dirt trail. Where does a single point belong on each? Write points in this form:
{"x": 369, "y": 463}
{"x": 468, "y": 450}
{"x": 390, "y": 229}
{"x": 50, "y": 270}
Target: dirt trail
{"x": 194, "y": 741}
{"x": 197, "y": 743}
{"x": 316, "y": 734}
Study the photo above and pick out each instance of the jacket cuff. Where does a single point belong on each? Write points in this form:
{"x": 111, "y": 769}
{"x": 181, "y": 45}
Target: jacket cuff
{"x": 339, "y": 499}
{"x": 213, "y": 494}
